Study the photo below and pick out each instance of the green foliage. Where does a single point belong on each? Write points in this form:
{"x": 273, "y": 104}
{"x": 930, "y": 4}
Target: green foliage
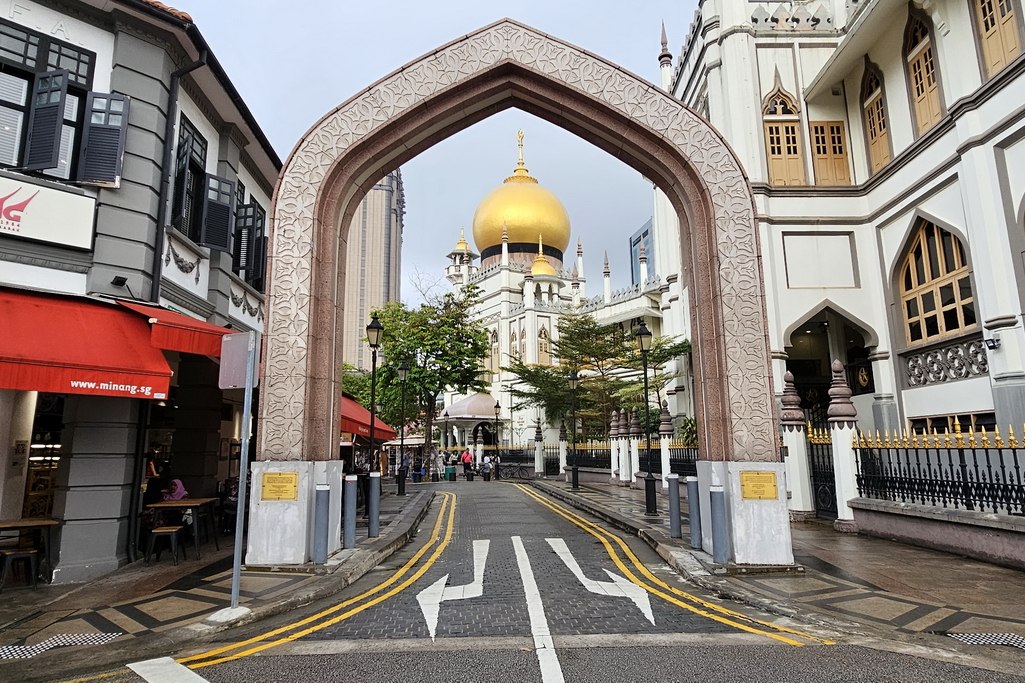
{"x": 687, "y": 431}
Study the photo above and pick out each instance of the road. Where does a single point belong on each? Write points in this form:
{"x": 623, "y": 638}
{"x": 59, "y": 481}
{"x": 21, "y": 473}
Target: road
{"x": 503, "y": 584}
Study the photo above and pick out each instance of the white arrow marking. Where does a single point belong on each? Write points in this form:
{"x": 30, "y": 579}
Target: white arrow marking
{"x": 619, "y": 588}
{"x": 430, "y": 598}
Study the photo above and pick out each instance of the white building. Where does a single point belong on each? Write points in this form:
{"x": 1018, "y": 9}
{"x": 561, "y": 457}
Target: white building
{"x": 884, "y": 144}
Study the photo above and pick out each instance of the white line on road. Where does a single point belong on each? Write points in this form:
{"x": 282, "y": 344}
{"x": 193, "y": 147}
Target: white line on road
{"x": 618, "y": 588}
{"x": 430, "y": 598}
{"x": 551, "y": 670}
{"x": 165, "y": 670}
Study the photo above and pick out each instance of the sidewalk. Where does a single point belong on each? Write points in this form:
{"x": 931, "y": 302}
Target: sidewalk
{"x": 158, "y": 607}
{"x": 844, "y": 580}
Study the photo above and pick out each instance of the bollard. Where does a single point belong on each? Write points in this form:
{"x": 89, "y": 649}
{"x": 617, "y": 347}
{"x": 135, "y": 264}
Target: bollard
{"x": 374, "y": 506}
{"x": 400, "y": 481}
{"x": 694, "y": 512}
{"x": 718, "y": 507}
{"x": 673, "y": 481}
{"x": 320, "y": 523}
{"x": 349, "y": 515}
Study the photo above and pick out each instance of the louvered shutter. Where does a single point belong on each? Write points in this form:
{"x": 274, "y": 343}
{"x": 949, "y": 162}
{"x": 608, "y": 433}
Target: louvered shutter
{"x": 217, "y": 225}
{"x": 46, "y": 119}
{"x": 258, "y": 250}
{"x": 103, "y": 139}
{"x": 241, "y": 257}
{"x": 181, "y": 204}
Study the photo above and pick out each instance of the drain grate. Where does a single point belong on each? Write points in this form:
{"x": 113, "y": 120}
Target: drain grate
{"x": 59, "y": 640}
{"x": 1008, "y": 639}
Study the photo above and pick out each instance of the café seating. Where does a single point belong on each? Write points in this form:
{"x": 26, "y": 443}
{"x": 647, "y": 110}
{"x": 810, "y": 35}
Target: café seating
{"x": 173, "y": 534}
{"x": 26, "y": 555}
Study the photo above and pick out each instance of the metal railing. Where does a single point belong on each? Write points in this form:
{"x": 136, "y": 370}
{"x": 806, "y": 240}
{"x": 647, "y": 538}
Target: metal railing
{"x": 596, "y": 454}
{"x": 551, "y": 460}
{"x": 974, "y": 471}
{"x": 683, "y": 460}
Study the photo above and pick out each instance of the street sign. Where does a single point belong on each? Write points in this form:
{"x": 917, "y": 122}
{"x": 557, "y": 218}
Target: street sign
{"x": 234, "y": 357}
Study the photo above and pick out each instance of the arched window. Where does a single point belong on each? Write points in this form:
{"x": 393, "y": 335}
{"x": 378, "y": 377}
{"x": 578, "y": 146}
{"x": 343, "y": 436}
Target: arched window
{"x": 495, "y": 360}
{"x": 996, "y": 26}
{"x": 923, "y": 78}
{"x": 523, "y": 344}
{"x": 935, "y": 287}
{"x": 514, "y": 347}
{"x": 544, "y": 348}
{"x": 782, "y": 139}
{"x": 873, "y": 109}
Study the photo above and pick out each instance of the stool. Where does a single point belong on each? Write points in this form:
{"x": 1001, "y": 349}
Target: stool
{"x": 9, "y": 557}
{"x": 173, "y": 533}
{"x": 205, "y": 520}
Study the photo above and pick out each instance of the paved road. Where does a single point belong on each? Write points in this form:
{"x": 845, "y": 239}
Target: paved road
{"x": 502, "y": 584}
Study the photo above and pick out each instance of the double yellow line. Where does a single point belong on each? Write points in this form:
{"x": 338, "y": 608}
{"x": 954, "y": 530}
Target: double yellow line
{"x": 357, "y": 604}
{"x": 671, "y": 594}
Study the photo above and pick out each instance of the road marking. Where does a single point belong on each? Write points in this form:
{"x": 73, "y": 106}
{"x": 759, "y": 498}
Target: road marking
{"x": 165, "y": 670}
{"x": 619, "y": 588}
{"x": 430, "y": 598}
{"x": 551, "y": 670}
{"x": 58, "y": 640}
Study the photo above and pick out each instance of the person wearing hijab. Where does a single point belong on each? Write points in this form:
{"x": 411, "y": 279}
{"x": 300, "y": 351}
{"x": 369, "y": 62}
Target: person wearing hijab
{"x": 176, "y": 491}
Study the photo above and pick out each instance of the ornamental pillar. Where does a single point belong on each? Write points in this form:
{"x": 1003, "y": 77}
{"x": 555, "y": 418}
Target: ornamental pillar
{"x": 562, "y": 447}
{"x": 843, "y": 424}
{"x": 665, "y": 434}
{"x": 614, "y": 447}
{"x": 635, "y": 446}
{"x": 798, "y": 470}
{"x": 539, "y": 450}
{"x": 625, "y": 454}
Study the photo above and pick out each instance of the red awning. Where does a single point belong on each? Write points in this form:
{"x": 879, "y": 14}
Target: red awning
{"x": 356, "y": 419}
{"x": 70, "y": 345}
{"x": 176, "y": 332}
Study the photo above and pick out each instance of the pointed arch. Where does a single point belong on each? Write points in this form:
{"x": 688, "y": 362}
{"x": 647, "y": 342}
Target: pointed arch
{"x": 922, "y": 71}
{"x": 866, "y": 330}
{"x": 783, "y": 145}
{"x": 514, "y": 346}
{"x": 507, "y": 64}
{"x": 874, "y": 117}
{"x": 494, "y": 359}
{"x": 544, "y": 347}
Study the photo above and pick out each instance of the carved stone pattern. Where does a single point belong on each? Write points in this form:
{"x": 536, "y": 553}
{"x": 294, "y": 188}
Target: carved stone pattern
{"x": 242, "y": 301}
{"x": 180, "y": 262}
{"x": 962, "y": 360}
{"x": 288, "y": 338}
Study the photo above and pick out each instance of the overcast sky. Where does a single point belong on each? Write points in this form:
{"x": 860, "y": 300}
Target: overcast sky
{"x": 293, "y": 62}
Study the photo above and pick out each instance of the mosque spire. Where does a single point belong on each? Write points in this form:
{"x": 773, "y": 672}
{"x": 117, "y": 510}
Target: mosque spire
{"x": 520, "y": 173}
{"x": 642, "y": 261}
{"x": 608, "y": 280}
{"x": 505, "y": 244}
{"x": 665, "y": 61}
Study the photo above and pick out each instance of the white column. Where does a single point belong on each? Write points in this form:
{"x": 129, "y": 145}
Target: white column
{"x": 845, "y": 473}
{"x": 664, "y": 444}
{"x": 613, "y": 456}
{"x": 635, "y": 459}
{"x": 539, "y": 458}
{"x": 562, "y": 456}
{"x": 802, "y": 502}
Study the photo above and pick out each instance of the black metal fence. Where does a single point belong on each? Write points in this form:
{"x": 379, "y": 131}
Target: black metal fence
{"x": 518, "y": 454}
{"x": 961, "y": 471}
{"x": 656, "y": 458}
{"x": 592, "y": 454}
{"x": 683, "y": 460}
{"x": 551, "y": 456}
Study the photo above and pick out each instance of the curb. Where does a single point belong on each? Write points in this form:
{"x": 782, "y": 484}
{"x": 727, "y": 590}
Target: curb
{"x": 366, "y": 557}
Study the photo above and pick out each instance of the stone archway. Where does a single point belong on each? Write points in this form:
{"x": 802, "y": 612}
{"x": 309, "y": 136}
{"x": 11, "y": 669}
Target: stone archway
{"x": 508, "y": 64}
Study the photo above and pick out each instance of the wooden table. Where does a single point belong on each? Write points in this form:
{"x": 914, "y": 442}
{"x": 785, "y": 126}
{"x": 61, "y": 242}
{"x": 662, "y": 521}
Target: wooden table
{"x": 44, "y": 526}
{"x": 184, "y": 504}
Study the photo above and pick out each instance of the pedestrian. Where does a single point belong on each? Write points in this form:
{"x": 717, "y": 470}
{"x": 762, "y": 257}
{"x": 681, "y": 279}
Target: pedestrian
{"x": 486, "y": 468}
{"x": 403, "y": 465}
{"x": 467, "y": 461}
{"x": 496, "y": 462}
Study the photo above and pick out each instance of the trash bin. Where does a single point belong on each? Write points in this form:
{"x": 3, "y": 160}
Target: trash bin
{"x": 469, "y": 474}
{"x": 450, "y": 472}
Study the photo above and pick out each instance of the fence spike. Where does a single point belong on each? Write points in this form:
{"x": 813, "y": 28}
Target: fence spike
{"x": 971, "y": 436}
{"x": 985, "y": 437}
{"x": 886, "y": 442}
{"x": 958, "y": 436}
{"x": 854, "y": 440}
{"x": 905, "y": 441}
{"x": 946, "y": 439}
{"x": 1012, "y": 440}
{"x": 998, "y": 440}
{"x": 936, "y": 443}
{"x": 914, "y": 439}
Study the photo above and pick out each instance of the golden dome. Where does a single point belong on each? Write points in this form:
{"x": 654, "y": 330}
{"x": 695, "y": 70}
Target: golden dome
{"x": 541, "y": 265}
{"x": 525, "y": 208}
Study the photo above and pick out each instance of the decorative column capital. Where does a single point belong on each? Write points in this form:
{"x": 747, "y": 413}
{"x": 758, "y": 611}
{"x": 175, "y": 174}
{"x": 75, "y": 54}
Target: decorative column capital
{"x": 635, "y": 424}
{"x": 562, "y": 430}
{"x": 538, "y": 436}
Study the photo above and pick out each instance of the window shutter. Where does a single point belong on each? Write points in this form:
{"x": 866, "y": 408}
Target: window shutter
{"x": 46, "y": 119}
{"x": 258, "y": 251}
{"x": 103, "y": 139}
{"x": 181, "y": 207}
{"x": 217, "y": 225}
{"x": 243, "y": 250}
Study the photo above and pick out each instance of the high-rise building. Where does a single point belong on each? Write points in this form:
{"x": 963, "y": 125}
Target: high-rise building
{"x": 372, "y": 262}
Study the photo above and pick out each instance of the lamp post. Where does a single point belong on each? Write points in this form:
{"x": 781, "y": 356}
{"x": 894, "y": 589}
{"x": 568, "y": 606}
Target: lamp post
{"x": 494, "y": 463}
{"x": 375, "y": 330}
{"x": 403, "y": 464}
{"x": 575, "y": 471}
{"x": 644, "y": 343}
{"x": 444, "y": 438}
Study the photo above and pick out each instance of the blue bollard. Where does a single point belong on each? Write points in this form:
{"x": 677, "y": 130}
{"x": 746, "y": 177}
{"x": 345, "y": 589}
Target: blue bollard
{"x": 349, "y": 515}
{"x": 322, "y": 506}
{"x": 694, "y": 512}
{"x": 674, "y": 505}
{"x": 374, "y": 506}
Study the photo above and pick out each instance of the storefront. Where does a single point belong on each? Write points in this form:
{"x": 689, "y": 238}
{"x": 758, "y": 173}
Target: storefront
{"x": 355, "y": 447}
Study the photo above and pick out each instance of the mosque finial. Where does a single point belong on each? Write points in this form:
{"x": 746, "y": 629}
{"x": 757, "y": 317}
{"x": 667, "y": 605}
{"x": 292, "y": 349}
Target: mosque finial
{"x": 519, "y": 143}
{"x": 540, "y": 246}
{"x": 665, "y": 57}
{"x": 505, "y": 231}
{"x": 606, "y": 270}
{"x": 580, "y": 246}
{"x": 642, "y": 256}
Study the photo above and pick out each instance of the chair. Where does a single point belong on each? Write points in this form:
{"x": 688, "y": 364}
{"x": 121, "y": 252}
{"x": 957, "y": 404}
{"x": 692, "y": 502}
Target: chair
{"x": 9, "y": 557}
{"x": 173, "y": 534}
{"x": 204, "y": 520}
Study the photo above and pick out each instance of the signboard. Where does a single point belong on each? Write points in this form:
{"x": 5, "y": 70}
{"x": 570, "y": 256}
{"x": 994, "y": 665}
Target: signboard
{"x": 280, "y": 486}
{"x": 39, "y": 212}
{"x": 757, "y": 485}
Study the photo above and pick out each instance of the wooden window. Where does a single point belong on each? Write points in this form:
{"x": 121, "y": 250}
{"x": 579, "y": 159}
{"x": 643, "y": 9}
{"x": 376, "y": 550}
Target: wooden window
{"x": 873, "y": 109}
{"x": 936, "y": 289}
{"x": 514, "y": 347}
{"x": 829, "y": 146}
{"x": 544, "y": 348}
{"x": 997, "y": 28}
{"x": 523, "y": 344}
{"x": 926, "y": 105}
{"x": 783, "y": 139}
{"x": 495, "y": 361}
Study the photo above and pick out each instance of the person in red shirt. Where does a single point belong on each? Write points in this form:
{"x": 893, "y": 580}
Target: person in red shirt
{"x": 467, "y": 459}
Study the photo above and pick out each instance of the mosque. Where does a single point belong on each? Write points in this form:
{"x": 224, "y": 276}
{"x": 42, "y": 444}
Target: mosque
{"x": 526, "y": 282}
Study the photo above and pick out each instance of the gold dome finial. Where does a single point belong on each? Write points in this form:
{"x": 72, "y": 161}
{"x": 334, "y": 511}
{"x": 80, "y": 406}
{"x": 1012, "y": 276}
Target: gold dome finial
{"x": 541, "y": 266}
{"x": 462, "y": 244}
{"x": 520, "y": 173}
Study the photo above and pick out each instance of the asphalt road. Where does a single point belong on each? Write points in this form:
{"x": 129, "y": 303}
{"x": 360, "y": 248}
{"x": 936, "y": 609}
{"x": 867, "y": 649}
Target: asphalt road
{"x": 500, "y": 586}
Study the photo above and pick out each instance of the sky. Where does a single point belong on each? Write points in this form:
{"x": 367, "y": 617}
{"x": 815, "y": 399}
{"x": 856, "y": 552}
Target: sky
{"x": 294, "y": 62}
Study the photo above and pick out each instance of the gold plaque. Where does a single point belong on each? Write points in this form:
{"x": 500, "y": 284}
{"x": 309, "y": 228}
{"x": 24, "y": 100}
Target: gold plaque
{"x": 755, "y": 485}
{"x": 280, "y": 486}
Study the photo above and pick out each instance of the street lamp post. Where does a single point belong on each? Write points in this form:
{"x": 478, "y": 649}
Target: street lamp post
{"x": 444, "y": 439}
{"x": 644, "y": 343}
{"x": 375, "y": 330}
{"x": 575, "y": 471}
{"x": 403, "y": 464}
{"x": 494, "y": 460}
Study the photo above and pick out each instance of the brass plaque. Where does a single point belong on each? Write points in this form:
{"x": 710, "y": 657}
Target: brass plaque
{"x": 755, "y": 485}
{"x": 280, "y": 486}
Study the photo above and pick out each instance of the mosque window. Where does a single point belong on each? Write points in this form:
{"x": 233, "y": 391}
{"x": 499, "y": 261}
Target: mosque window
{"x": 829, "y": 145}
{"x": 783, "y": 139}
{"x": 936, "y": 288}
{"x": 996, "y": 27}
{"x": 514, "y": 347}
{"x": 523, "y": 343}
{"x": 544, "y": 348}
{"x": 873, "y": 107}
{"x": 922, "y": 74}
{"x": 494, "y": 361}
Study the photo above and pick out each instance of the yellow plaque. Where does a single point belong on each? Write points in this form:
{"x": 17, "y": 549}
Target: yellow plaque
{"x": 755, "y": 485}
{"x": 280, "y": 486}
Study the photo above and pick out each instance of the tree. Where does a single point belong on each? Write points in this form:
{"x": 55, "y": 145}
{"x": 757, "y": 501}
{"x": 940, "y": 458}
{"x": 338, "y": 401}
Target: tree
{"x": 442, "y": 346}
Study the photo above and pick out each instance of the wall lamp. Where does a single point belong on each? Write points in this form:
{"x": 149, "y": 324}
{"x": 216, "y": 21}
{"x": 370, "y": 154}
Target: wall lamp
{"x": 992, "y": 343}
{"x": 122, "y": 281}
